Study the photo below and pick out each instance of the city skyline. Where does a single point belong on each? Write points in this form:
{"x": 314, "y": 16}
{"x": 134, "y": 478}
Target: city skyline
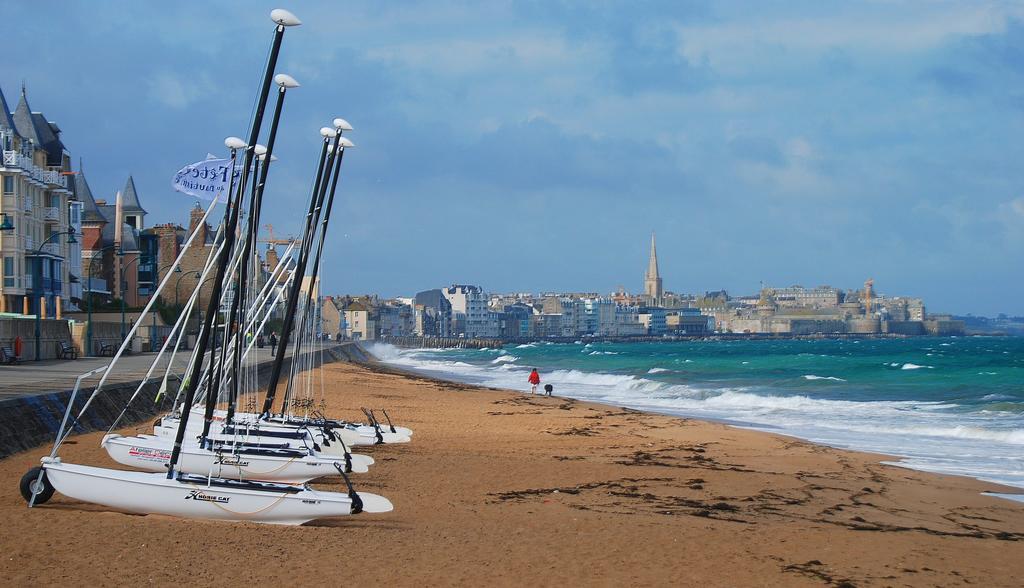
{"x": 528, "y": 146}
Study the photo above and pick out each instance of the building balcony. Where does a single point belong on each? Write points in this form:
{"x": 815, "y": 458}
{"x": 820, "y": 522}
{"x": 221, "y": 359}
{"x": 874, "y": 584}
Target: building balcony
{"x": 51, "y": 213}
{"x": 51, "y": 248}
{"x": 55, "y": 178}
{"x": 30, "y": 243}
{"x": 11, "y": 158}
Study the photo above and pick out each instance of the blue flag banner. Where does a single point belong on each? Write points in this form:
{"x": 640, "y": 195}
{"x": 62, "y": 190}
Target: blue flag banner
{"x": 207, "y": 179}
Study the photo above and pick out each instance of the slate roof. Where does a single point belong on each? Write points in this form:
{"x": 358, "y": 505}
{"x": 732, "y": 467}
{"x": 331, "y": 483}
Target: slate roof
{"x": 128, "y": 239}
{"x": 356, "y": 306}
{"x": 90, "y": 212}
{"x": 130, "y": 198}
{"x": 34, "y": 127}
{"x": 6, "y": 122}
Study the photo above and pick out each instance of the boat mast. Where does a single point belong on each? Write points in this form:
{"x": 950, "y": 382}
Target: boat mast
{"x": 343, "y": 142}
{"x": 315, "y": 205}
{"x": 284, "y": 82}
{"x": 283, "y": 19}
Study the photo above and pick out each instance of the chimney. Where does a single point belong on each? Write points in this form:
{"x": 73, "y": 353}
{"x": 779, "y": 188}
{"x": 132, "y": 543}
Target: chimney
{"x": 195, "y": 217}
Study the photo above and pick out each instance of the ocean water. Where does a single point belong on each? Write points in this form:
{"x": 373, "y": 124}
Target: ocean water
{"x": 949, "y": 405}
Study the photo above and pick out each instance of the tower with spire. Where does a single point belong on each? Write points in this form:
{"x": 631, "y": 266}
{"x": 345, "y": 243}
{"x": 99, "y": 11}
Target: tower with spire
{"x": 652, "y": 279}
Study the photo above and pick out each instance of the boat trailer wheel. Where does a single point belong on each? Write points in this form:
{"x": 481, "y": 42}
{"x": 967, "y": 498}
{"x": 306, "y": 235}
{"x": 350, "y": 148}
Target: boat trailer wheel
{"x": 31, "y": 484}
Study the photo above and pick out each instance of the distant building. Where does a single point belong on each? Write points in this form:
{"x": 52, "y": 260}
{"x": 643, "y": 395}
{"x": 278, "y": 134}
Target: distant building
{"x": 516, "y": 320}
{"x": 652, "y": 279}
{"x": 432, "y": 314}
{"x": 653, "y": 320}
{"x": 627, "y": 322}
{"x": 599, "y": 316}
{"x": 471, "y": 315}
{"x": 330, "y": 318}
{"x": 820, "y": 297}
{"x": 394, "y": 320}
{"x": 34, "y": 210}
{"x": 688, "y": 322}
{"x": 359, "y": 323}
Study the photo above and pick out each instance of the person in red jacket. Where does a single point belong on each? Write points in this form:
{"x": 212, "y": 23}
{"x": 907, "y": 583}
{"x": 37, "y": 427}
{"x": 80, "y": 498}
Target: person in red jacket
{"x": 534, "y": 380}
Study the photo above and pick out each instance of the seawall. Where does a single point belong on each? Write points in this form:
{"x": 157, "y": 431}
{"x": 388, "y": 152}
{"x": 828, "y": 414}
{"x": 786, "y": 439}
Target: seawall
{"x": 460, "y": 343}
{"x": 441, "y": 342}
{"x": 30, "y": 421}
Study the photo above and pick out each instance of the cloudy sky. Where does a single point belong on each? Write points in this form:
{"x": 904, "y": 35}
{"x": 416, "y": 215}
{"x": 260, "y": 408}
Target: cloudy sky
{"x": 534, "y": 146}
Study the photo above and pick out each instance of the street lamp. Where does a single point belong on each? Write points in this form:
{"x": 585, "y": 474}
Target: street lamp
{"x": 37, "y": 253}
{"x": 5, "y": 222}
{"x": 124, "y": 290}
{"x": 92, "y": 268}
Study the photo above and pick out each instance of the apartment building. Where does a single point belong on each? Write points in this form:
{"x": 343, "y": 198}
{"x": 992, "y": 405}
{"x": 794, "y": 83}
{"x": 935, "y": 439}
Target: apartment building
{"x": 35, "y": 229}
{"x": 471, "y": 315}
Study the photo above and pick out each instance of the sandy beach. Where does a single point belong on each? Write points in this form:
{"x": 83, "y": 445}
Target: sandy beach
{"x": 501, "y": 488}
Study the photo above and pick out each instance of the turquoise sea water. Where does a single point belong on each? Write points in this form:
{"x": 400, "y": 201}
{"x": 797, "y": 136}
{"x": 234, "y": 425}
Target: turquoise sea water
{"x": 952, "y": 405}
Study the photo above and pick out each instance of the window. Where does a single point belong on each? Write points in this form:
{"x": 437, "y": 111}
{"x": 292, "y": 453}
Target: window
{"x": 8, "y": 272}
{"x": 8, "y": 184}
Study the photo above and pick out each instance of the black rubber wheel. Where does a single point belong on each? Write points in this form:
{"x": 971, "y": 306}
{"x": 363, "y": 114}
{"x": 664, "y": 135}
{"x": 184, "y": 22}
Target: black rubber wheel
{"x": 28, "y": 482}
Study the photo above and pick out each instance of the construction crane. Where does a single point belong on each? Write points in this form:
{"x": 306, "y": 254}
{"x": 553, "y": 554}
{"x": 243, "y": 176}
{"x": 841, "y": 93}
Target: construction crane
{"x": 272, "y": 240}
{"x": 868, "y": 290}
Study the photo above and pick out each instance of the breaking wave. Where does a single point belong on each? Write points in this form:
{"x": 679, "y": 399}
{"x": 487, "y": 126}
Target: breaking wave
{"x": 813, "y": 377}
{"x": 943, "y": 436}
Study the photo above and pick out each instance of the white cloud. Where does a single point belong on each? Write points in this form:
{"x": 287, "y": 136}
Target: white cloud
{"x": 1017, "y": 206}
{"x": 458, "y": 57}
{"x": 883, "y": 27}
{"x": 172, "y": 91}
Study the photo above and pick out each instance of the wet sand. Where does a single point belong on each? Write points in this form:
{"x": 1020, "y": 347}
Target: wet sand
{"x": 501, "y": 488}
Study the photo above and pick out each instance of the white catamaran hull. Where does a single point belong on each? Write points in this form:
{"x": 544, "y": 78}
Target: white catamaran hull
{"x": 335, "y": 450}
{"x": 353, "y": 437}
{"x": 362, "y": 428}
{"x": 147, "y": 493}
{"x": 153, "y": 454}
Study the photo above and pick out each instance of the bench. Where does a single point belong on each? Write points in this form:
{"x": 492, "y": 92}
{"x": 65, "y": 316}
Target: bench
{"x": 7, "y": 355}
{"x": 66, "y": 351}
{"x": 107, "y": 349}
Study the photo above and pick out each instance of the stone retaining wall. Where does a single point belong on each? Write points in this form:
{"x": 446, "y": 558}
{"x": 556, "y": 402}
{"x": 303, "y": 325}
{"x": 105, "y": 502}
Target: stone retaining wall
{"x": 51, "y": 332}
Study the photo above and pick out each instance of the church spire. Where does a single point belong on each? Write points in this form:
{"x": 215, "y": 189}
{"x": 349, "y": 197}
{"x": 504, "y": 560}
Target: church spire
{"x": 652, "y": 265}
{"x": 652, "y": 279}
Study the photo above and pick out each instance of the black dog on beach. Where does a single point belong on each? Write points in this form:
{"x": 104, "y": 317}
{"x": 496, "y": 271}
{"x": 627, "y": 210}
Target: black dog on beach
{"x": 548, "y": 388}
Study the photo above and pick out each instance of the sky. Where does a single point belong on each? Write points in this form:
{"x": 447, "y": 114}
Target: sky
{"x": 535, "y": 146}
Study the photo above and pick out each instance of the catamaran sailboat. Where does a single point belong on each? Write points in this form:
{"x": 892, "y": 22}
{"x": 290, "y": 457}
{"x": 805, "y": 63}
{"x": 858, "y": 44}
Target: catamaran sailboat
{"x": 224, "y": 490}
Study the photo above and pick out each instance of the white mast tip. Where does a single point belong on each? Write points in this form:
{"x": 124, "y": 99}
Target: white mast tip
{"x": 285, "y": 81}
{"x": 284, "y": 18}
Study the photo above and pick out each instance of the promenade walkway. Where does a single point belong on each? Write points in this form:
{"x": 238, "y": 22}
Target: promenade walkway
{"x": 54, "y": 375}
